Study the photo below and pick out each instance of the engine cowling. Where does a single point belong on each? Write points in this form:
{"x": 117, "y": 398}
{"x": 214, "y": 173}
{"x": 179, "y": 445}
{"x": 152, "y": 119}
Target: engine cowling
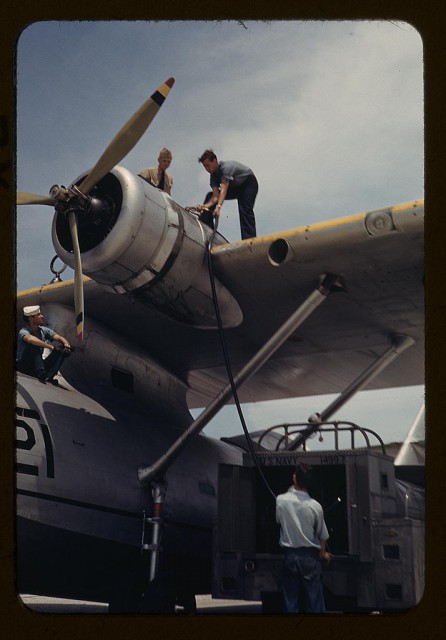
{"x": 137, "y": 241}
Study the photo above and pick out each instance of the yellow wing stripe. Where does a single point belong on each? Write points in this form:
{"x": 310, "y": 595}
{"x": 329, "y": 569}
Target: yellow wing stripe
{"x": 318, "y": 226}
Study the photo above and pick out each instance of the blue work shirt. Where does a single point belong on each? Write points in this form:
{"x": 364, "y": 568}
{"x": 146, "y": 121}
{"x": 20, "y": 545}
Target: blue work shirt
{"x": 46, "y": 334}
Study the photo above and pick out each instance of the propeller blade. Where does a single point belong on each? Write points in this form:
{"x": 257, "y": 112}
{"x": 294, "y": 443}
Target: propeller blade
{"x": 25, "y": 197}
{"x": 78, "y": 283}
{"x": 127, "y": 137}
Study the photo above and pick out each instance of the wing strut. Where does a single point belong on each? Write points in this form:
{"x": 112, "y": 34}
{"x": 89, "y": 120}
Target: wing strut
{"x": 399, "y": 343}
{"x": 328, "y": 284}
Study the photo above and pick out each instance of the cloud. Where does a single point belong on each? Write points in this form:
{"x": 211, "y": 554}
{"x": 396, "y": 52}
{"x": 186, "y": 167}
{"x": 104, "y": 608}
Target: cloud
{"x": 328, "y": 115}
{"x": 398, "y": 409}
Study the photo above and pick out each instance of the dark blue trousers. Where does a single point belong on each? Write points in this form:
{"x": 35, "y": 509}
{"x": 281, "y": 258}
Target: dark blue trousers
{"x": 245, "y": 195}
{"x": 34, "y": 365}
{"x": 302, "y": 581}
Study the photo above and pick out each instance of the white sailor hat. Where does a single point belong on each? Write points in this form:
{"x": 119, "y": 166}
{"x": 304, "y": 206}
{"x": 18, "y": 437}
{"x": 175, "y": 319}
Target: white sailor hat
{"x": 31, "y": 311}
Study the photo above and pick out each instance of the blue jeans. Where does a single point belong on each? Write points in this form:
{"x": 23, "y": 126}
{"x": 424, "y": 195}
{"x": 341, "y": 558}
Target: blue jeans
{"x": 302, "y": 581}
{"x": 33, "y": 364}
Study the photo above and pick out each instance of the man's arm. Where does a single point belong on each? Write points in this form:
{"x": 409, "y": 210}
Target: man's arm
{"x": 321, "y": 532}
{"x": 36, "y": 342}
{"x": 221, "y": 197}
{"x": 214, "y": 198}
{"x": 323, "y": 553}
{"x": 61, "y": 339}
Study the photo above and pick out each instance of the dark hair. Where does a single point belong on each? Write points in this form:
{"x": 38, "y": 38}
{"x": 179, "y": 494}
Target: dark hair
{"x": 207, "y": 155}
{"x": 303, "y": 475}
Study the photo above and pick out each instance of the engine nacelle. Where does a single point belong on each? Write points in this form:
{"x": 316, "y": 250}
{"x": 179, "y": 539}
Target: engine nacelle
{"x": 137, "y": 241}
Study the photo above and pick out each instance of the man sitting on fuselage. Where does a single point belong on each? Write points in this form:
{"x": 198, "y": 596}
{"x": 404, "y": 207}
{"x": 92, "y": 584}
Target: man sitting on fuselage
{"x": 32, "y": 340}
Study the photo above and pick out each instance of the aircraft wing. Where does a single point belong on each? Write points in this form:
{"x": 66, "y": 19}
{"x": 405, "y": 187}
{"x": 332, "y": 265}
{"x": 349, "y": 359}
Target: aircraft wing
{"x": 378, "y": 255}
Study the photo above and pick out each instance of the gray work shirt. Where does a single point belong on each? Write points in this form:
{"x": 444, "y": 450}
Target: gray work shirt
{"x": 301, "y": 520}
{"x": 45, "y": 333}
{"x": 230, "y": 171}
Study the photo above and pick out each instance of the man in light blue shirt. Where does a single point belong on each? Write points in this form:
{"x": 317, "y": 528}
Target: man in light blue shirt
{"x": 303, "y": 536}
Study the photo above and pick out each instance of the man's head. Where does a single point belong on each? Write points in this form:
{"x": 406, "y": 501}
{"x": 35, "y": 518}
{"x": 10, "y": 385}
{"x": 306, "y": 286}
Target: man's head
{"x": 33, "y": 315}
{"x": 164, "y": 158}
{"x": 302, "y": 476}
{"x": 209, "y": 161}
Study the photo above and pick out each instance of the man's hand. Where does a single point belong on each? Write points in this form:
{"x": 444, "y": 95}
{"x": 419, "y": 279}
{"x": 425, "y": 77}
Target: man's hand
{"x": 197, "y": 207}
{"x": 325, "y": 556}
{"x": 65, "y": 349}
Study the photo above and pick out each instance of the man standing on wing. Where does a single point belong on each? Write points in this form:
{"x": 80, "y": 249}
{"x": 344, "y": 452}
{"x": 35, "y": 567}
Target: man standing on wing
{"x": 229, "y": 180}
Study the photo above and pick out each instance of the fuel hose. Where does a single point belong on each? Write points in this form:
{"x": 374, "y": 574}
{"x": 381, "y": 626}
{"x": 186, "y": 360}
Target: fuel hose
{"x": 228, "y": 362}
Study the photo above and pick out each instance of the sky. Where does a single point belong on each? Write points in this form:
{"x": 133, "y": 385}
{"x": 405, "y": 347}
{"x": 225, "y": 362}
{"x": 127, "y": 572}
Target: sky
{"x": 329, "y": 115}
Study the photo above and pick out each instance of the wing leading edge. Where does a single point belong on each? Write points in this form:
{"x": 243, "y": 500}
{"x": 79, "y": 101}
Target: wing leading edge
{"x": 378, "y": 254}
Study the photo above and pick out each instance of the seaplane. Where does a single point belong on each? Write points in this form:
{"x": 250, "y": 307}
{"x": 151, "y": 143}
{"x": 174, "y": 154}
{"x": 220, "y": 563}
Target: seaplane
{"x": 116, "y": 483}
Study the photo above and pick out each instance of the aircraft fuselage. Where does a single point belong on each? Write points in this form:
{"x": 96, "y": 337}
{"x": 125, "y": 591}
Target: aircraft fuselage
{"x": 80, "y": 505}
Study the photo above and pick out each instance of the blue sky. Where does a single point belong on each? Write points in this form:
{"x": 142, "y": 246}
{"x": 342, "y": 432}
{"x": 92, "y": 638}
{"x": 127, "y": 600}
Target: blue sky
{"x": 329, "y": 115}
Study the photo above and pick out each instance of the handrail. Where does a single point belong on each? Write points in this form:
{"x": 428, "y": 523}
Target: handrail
{"x": 334, "y": 427}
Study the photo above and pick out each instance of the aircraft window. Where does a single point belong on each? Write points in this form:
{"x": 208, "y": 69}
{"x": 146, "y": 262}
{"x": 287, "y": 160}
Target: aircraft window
{"x": 391, "y": 552}
{"x": 384, "y": 481}
{"x": 122, "y": 379}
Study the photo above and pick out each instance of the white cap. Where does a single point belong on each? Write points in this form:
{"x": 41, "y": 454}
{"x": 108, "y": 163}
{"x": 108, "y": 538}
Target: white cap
{"x": 31, "y": 311}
